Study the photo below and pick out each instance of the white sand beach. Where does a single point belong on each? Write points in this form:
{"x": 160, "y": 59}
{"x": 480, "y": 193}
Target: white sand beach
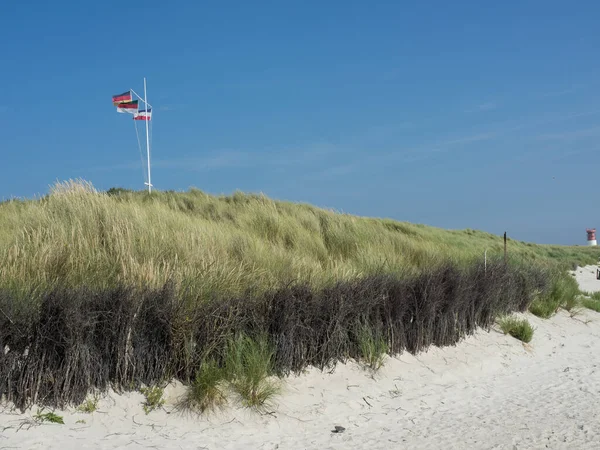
{"x": 489, "y": 392}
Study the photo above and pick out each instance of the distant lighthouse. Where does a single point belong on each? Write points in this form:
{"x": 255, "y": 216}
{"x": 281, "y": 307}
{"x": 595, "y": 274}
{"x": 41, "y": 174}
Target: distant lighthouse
{"x": 591, "y": 233}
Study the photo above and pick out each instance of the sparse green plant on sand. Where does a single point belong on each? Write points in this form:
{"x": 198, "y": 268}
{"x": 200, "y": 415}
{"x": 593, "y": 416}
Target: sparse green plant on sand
{"x": 576, "y": 310}
{"x": 207, "y": 390}
{"x": 48, "y": 417}
{"x": 372, "y": 348}
{"x": 154, "y": 398}
{"x": 89, "y": 405}
{"x": 394, "y": 393}
{"x": 249, "y": 364}
{"x": 520, "y": 329}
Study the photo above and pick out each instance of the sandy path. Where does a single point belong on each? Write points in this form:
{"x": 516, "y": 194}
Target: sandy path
{"x": 489, "y": 392}
{"x": 586, "y": 278}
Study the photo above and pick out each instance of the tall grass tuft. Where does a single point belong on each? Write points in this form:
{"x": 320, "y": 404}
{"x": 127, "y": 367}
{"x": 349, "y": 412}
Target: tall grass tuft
{"x": 207, "y": 391}
{"x": 249, "y": 364}
{"x": 563, "y": 293}
{"x": 520, "y": 329}
{"x": 372, "y": 347}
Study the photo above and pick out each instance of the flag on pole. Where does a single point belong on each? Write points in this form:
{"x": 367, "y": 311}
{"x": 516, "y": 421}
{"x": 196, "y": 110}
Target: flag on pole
{"x": 120, "y": 98}
{"x": 144, "y": 114}
{"x": 127, "y": 107}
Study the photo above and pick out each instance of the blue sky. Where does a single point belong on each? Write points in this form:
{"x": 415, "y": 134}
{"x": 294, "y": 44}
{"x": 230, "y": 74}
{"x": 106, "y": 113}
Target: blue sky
{"x": 452, "y": 114}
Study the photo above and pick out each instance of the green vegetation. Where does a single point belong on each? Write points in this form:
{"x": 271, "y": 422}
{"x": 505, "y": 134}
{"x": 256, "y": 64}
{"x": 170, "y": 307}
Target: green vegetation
{"x": 520, "y": 329}
{"x": 207, "y": 390}
{"x": 595, "y": 296}
{"x": 48, "y": 417}
{"x": 221, "y": 245}
{"x": 89, "y": 405}
{"x": 249, "y": 363}
{"x": 154, "y": 398}
{"x": 247, "y": 371}
{"x": 372, "y": 348}
{"x": 591, "y": 301}
{"x": 563, "y": 294}
{"x": 126, "y": 289}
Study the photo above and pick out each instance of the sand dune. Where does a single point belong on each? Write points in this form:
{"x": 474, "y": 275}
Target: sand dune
{"x": 489, "y": 392}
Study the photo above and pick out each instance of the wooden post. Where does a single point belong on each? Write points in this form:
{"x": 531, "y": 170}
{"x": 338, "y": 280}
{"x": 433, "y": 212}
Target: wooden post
{"x": 505, "y": 253}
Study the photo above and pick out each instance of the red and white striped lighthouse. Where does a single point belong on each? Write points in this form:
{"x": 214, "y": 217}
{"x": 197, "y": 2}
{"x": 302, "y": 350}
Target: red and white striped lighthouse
{"x": 591, "y": 239}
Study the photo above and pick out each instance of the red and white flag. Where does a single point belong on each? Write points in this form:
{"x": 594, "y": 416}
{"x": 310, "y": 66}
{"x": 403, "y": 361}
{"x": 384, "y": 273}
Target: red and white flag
{"x": 144, "y": 114}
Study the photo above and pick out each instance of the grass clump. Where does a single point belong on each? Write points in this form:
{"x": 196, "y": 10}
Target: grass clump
{"x": 564, "y": 293}
{"x": 571, "y": 303}
{"x": 591, "y": 300}
{"x": 372, "y": 348}
{"x": 206, "y": 392}
{"x": 591, "y": 303}
{"x": 154, "y": 398}
{"x": 89, "y": 405}
{"x": 249, "y": 365}
{"x": 520, "y": 329}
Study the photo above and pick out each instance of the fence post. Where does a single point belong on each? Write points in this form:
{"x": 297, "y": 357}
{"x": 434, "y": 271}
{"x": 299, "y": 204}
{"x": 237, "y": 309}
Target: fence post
{"x": 505, "y": 252}
{"x": 485, "y": 261}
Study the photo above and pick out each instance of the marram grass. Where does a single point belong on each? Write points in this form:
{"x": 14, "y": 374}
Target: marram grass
{"x": 77, "y": 236}
{"x": 126, "y": 289}
{"x": 520, "y": 329}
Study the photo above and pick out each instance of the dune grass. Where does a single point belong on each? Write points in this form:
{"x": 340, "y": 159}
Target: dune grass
{"x": 564, "y": 293}
{"x": 153, "y": 398}
{"x": 247, "y": 371}
{"x": 520, "y": 329}
{"x": 591, "y": 303}
{"x": 593, "y": 296}
{"x": 128, "y": 289}
{"x": 249, "y": 368}
{"x": 372, "y": 347}
{"x": 90, "y": 405}
{"x": 207, "y": 391}
{"x": 88, "y": 339}
{"x": 207, "y": 244}
{"x": 591, "y": 300}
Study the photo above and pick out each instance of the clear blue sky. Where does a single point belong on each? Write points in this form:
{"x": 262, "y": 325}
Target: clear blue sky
{"x": 453, "y": 114}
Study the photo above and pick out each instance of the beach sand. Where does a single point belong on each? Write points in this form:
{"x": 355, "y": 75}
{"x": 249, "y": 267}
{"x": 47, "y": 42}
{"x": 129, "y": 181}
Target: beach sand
{"x": 489, "y": 392}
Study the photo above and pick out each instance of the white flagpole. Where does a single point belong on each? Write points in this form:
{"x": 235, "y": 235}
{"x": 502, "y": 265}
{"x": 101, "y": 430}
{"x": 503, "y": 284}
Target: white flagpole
{"x": 147, "y": 138}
